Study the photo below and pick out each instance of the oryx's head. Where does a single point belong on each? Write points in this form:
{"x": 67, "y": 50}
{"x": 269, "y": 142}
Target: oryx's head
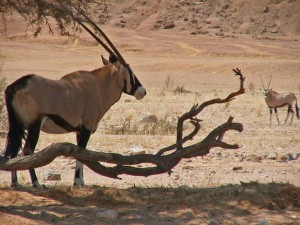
{"x": 266, "y": 91}
{"x": 132, "y": 85}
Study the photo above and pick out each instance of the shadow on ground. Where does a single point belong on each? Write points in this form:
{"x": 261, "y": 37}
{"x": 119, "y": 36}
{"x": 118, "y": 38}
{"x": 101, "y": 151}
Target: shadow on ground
{"x": 159, "y": 205}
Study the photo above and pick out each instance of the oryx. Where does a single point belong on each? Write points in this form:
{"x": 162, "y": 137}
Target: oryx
{"x": 276, "y": 100}
{"x": 74, "y": 103}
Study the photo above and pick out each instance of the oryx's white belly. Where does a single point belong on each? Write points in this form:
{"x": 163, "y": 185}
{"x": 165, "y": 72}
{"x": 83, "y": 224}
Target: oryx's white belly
{"x": 51, "y": 127}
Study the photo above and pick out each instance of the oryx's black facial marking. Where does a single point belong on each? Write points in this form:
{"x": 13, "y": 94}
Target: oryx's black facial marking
{"x": 62, "y": 123}
{"x": 134, "y": 82}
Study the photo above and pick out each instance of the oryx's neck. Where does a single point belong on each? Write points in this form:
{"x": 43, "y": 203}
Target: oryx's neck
{"x": 110, "y": 85}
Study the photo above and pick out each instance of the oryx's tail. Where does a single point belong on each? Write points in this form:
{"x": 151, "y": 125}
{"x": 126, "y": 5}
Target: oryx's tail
{"x": 16, "y": 131}
{"x": 297, "y": 111}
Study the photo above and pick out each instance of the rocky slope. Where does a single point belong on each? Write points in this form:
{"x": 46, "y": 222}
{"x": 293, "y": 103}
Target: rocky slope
{"x": 259, "y": 18}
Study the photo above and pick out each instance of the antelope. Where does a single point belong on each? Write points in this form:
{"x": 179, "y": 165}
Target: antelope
{"x": 75, "y": 103}
{"x": 276, "y": 100}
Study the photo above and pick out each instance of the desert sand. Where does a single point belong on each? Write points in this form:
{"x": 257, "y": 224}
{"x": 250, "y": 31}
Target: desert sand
{"x": 256, "y": 184}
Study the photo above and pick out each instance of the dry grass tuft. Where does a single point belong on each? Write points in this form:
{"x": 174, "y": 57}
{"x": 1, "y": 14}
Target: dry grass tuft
{"x": 165, "y": 125}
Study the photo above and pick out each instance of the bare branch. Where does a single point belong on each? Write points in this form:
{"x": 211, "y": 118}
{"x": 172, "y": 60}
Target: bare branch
{"x": 196, "y": 109}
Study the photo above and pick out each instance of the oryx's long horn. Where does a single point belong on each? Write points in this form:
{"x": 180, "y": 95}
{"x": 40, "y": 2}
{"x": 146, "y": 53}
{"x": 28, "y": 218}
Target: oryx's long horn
{"x": 94, "y": 36}
{"x": 262, "y": 82}
{"x": 121, "y": 59}
{"x": 270, "y": 82}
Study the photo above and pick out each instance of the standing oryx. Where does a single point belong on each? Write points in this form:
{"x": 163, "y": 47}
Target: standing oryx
{"x": 276, "y": 100}
{"x": 75, "y": 103}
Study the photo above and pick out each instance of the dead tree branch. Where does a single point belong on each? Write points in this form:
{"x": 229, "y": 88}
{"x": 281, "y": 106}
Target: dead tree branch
{"x": 161, "y": 161}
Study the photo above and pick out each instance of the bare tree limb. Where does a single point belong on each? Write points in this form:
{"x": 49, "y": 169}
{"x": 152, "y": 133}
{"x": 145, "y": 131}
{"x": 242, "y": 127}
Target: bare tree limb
{"x": 161, "y": 162}
{"x": 196, "y": 109}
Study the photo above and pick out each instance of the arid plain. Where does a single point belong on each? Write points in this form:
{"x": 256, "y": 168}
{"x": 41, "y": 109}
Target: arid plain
{"x": 256, "y": 183}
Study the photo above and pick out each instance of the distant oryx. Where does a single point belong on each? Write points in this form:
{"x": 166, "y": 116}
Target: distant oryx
{"x": 75, "y": 103}
{"x": 276, "y": 100}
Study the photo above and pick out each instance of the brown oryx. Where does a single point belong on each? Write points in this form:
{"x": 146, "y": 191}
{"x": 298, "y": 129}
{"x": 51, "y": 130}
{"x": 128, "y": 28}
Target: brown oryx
{"x": 74, "y": 103}
{"x": 276, "y": 100}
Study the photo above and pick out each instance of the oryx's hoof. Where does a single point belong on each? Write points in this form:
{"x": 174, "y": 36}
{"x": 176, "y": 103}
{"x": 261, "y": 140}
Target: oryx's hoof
{"x": 38, "y": 186}
{"x": 78, "y": 183}
{"x": 15, "y": 185}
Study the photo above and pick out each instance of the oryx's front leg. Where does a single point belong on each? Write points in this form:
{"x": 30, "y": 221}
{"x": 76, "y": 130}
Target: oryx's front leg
{"x": 276, "y": 113}
{"x": 270, "y": 116}
{"x": 82, "y": 139}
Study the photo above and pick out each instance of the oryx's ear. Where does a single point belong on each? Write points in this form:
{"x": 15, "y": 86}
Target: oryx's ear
{"x": 113, "y": 58}
{"x": 105, "y": 61}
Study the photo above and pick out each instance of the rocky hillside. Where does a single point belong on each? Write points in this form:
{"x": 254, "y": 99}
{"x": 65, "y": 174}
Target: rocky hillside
{"x": 268, "y": 18}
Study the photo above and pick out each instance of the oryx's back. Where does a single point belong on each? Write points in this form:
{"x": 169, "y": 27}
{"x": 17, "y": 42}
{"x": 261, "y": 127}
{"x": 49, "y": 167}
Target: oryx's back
{"x": 275, "y": 99}
{"x": 62, "y": 104}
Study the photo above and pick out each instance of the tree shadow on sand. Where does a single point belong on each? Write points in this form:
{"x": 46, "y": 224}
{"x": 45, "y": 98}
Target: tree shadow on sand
{"x": 160, "y": 205}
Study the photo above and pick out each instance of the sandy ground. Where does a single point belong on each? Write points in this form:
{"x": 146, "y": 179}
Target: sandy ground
{"x": 244, "y": 186}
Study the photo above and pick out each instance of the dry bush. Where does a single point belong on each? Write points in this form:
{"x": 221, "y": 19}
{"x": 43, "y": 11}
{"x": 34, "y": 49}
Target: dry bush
{"x": 180, "y": 90}
{"x": 168, "y": 84}
{"x": 165, "y": 125}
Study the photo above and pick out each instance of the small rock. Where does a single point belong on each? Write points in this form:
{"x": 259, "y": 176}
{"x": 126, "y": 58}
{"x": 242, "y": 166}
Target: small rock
{"x": 53, "y": 176}
{"x": 274, "y": 31}
{"x": 202, "y": 32}
{"x": 150, "y": 119}
{"x": 219, "y": 33}
{"x": 107, "y": 214}
{"x": 266, "y": 9}
{"x": 272, "y": 155}
{"x": 137, "y": 150}
{"x": 169, "y": 25}
{"x": 236, "y": 168}
{"x": 292, "y": 156}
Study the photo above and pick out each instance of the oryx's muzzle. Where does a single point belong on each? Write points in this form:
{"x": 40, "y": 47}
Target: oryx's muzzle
{"x": 140, "y": 93}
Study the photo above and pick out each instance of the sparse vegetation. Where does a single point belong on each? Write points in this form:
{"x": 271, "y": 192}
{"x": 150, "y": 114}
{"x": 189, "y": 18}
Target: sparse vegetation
{"x": 168, "y": 84}
{"x": 181, "y": 90}
{"x": 165, "y": 125}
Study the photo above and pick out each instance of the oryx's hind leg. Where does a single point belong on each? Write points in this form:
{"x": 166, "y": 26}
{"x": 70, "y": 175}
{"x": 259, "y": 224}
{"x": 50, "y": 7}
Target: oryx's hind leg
{"x": 276, "y": 113}
{"x": 290, "y": 110}
{"x": 30, "y": 144}
{"x": 82, "y": 139}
